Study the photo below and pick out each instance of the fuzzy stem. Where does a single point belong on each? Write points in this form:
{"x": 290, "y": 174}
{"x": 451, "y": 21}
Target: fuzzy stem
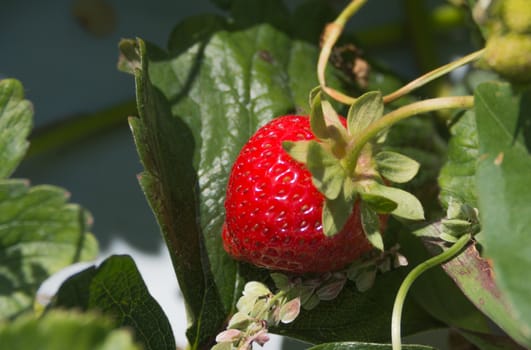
{"x": 400, "y": 114}
{"x": 331, "y": 34}
{"x": 411, "y": 277}
{"x": 434, "y": 74}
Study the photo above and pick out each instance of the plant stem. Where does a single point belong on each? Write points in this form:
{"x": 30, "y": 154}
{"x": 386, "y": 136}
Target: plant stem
{"x": 75, "y": 128}
{"x": 411, "y": 277}
{"x": 399, "y": 114}
{"x": 434, "y": 74}
{"x": 330, "y": 36}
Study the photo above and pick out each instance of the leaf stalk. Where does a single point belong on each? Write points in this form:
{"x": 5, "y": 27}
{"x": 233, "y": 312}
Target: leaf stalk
{"x": 400, "y": 114}
{"x": 331, "y": 34}
{"x": 432, "y": 75}
{"x": 411, "y": 277}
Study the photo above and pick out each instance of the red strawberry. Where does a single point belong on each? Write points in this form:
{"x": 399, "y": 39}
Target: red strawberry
{"x": 273, "y": 210}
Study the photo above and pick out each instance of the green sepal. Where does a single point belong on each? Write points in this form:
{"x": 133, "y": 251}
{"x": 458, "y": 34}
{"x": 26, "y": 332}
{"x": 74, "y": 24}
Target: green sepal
{"x": 378, "y": 203}
{"x": 367, "y": 109}
{"x": 337, "y": 211}
{"x": 332, "y": 119}
{"x": 311, "y": 302}
{"x": 316, "y": 91}
{"x": 297, "y": 150}
{"x": 239, "y": 320}
{"x": 317, "y": 119}
{"x": 408, "y": 206}
{"x": 396, "y": 167}
{"x": 363, "y": 274}
{"x": 460, "y": 219}
{"x": 289, "y": 311}
{"x": 324, "y": 120}
{"x": 328, "y": 176}
{"x": 281, "y": 280}
{"x": 370, "y": 223}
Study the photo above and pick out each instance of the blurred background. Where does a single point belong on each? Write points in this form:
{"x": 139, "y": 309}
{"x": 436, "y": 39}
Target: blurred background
{"x": 65, "y": 53}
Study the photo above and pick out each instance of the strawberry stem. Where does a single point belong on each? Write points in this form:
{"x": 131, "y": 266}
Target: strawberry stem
{"x": 432, "y": 75}
{"x": 331, "y": 34}
{"x": 411, "y": 277}
{"x": 399, "y": 114}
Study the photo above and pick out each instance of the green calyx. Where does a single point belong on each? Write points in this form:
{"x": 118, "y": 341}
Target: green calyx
{"x": 461, "y": 219}
{"x": 345, "y": 171}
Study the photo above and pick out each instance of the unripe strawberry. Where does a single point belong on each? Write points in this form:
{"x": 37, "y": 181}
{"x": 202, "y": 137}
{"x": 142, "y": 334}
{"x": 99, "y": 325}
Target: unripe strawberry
{"x": 517, "y": 15}
{"x": 274, "y": 212}
{"x": 510, "y": 56}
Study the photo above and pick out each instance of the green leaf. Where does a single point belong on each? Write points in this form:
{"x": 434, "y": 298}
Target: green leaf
{"x": 504, "y": 192}
{"x": 457, "y": 177}
{"x": 328, "y": 176}
{"x": 396, "y": 167}
{"x": 366, "y": 346}
{"x": 117, "y": 290}
{"x": 199, "y": 103}
{"x": 16, "y": 119}
{"x": 60, "y": 330}
{"x": 371, "y": 226}
{"x": 40, "y": 233}
{"x": 367, "y": 109}
{"x": 408, "y": 206}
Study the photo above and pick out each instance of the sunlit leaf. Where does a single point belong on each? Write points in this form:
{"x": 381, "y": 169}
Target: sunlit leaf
{"x": 16, "y": 119}
{"x": 40, "y": 233}
{"x": 504, "y": 192}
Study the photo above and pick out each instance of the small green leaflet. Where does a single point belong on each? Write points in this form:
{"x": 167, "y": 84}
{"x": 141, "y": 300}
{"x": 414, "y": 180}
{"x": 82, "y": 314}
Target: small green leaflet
{"x": 367, "y": 109}
{"x": 396, "y": 167}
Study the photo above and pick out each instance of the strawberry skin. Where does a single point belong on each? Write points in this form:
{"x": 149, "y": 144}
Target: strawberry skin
{"x": 273, "y": 211}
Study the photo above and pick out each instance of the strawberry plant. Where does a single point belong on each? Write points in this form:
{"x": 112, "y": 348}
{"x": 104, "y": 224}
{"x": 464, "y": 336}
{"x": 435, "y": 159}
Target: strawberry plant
{"x": 301, "y": 187}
